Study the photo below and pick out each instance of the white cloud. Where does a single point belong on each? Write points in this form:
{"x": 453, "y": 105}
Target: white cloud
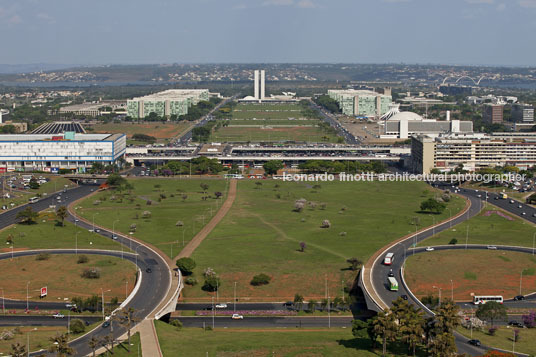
{"x": 306, "y": 4}
{"x": 527, "y": 3}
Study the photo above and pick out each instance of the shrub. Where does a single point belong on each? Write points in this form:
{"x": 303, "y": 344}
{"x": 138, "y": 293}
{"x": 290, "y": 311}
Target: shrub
{"x": 212, "y": 283}
{"x": 260, "y": 279}
{"x": 77, "y": 326}
{"x": 176, "y": 323}
{"x": 91, "y": 273}
{"x": 146, "y": 214}
{"x": 492, "y": 330}
{"x": 191, "y": 281}
{"x": 186, "y": 265}
{"x": 453, "y": 241}
{"x": 299, "y": 204}
{"x": 179, "y": 224}
{"x": 326, "y": 224}
{"x": 149, "y": 202}
{"x": 82, "y": 259}
{"x": 42, "y": 256}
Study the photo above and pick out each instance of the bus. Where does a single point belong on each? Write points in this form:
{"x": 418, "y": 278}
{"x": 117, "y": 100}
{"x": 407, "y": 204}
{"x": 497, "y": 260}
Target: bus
{"x": 33, "y": 199}
{"x": 480, "y": 299}
{"x": 393, "y": 284}
{"x": 388, "y": 260}
{"x": 233, "y": 176}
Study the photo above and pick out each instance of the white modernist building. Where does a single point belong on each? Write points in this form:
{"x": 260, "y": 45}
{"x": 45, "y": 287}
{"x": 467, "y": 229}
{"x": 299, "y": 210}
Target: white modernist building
{"x": 404, "y": 125}
{"x": 52, "y": 152}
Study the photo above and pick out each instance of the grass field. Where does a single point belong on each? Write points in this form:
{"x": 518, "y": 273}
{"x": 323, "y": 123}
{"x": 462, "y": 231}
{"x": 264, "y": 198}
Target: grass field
{"x": 259, "y": 342}
{"x": 269, "y": 122}
{"x": 262, "y": 234}
{"x": 121, "y": 349}
{"x": 503, "y": 339}
{"x": 161, "y": 131}
{"x": 160, "y": 228}
{"x": 488, "y": 227}
{"x": 48, "y": 235}
{"x": 115, "y": 273}
{"x": 297, "y": 133}
{"x": 268, "y": 106}
{"x": 480, "y": 272}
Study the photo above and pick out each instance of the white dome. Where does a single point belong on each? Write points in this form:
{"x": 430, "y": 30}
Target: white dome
{"x": 406, "y": 116}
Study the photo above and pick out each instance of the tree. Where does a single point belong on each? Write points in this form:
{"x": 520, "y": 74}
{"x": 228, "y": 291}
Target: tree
{"x": 61, "y": 214}
{"x": 27, "y": 215}
{"x": 212, "y": 283}
{"x": 491, "y": 311}
{"x": 260, "y": 279}
{"x": 126, "y": 320}
{"x": 93, "y": 344}
{"x": 384, "y": 326}
{"x": 77, "y": 326}
{"x": 218, "y": 194}
{"x": 18, "y": 350}
{"x": 271, "y": 167}
{"x": 359, "y": 328}
{"x": 433, "y": 206}
{"x": 186, "y": 265}
{"x": 60, "y": 346}
{"x": 204, "y": 187}
{"x": 354, "y": 263}
{"x": 298, "y": 301}
{"x": 312, "y": 306}
{"x": 115, "y": 180}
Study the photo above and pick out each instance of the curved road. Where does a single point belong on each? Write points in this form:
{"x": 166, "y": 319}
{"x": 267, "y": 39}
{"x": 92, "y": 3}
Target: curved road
{"x": 154, "y": 285}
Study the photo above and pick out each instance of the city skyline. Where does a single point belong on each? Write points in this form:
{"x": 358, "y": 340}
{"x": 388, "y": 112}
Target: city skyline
{"x": 460, "y": 32}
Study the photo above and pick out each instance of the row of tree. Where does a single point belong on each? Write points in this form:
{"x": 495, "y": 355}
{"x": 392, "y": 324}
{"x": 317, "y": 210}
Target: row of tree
{"x": 321, "y": 166}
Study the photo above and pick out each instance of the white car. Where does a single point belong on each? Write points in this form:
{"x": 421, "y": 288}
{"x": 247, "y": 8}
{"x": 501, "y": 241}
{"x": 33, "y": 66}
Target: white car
{"x": 221, "y": 306}
{"x": 492, "y": 247}
{"x": 237, "y": 317}
{"x": 429, "y": 249}
{"x": 58, "y": 316}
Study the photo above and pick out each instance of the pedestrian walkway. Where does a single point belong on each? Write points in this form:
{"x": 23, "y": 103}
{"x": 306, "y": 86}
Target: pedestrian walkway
{"x": 148, "y": 338}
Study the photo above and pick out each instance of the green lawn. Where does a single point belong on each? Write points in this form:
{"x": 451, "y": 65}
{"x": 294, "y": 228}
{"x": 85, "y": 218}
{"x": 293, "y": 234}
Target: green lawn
{"x": 243, "y": 134}
{"x": 262, "y": 234}
{"x": 503, "y": 339}
{"x": 48, "y": 235}
{"x": 161, "y": 131}
{"x": 121, "y": 349}
{"x": 488, "y": 228}
{"x": 258, "y": 342}
{"x": 269, "y": 122}
{"x": 268, "y": 106}
{"x": 160, "y": 229}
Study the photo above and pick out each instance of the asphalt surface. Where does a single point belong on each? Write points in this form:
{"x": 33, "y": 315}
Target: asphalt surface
{"x": 263, "y": 322}
{"x": 39, "y": 320}
{"x": 335, "y": 124}
{"x": 154, "y": 285}
{"x": 404, "y": 249}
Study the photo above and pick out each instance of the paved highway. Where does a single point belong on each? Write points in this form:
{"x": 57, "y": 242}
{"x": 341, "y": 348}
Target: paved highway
{"x": 154, "y": 285}
{"x": 274, "y": 322}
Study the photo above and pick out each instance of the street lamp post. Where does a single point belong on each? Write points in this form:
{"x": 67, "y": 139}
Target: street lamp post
{"x": 466, "y": 236}
{"x": 329, "y": 313}
{"x": 27, "y": 304}
{"x": 102, "y": 291}
{"x": 136, "y": 253}
{"x": 76, "y": 243}
{"x": 94, "y": 221}
{"x": 520, "y": 281}
{"x": 533, "y": 237}
{"x": 3, "y": 303}
{"x": 439, "y": 289}
{"x": 213, "y": 312}
{"x": 451, "y": 290}
{"x": 234, "y": 306}
{"x": 113, "y": 228}
{"x": 450, "y": 217}
{"x": 404, "y": 248}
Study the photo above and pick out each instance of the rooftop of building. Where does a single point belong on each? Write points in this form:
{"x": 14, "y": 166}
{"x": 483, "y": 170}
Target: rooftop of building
{"x": 173, "y": 94}
{"x": 59, "y": 137}
{"x": 59, "y": 127}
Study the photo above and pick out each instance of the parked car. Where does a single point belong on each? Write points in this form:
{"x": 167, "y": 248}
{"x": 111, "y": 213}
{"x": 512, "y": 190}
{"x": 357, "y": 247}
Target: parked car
{"x": 237, "y": 317}
{"x": 405, "y": 297}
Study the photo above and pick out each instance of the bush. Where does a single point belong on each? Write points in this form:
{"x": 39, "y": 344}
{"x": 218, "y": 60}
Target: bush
{"x": 453, "y": 241}
{"x": 176, "y": 323}
{"x": 42, "y": 256}
{"x": 191, "y": 281}
{"x": 146, "y": 214}
{"x": 186, "y": 265}
{"x": 91, "y": 273}
{"x": 82, "y": 259}
{"x": 77, "y": 326}
{"x": 325, "y": 224}
{"x": 260, "y": 279}
{"x": 212, "y": 283}
{"x": 492, "y": 331}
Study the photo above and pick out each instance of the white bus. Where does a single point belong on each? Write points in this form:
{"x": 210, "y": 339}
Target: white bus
{"x": 233, "y": 176}
{"x": 33, "y": 199}
{"x": 481, "y": 299}
{"x": 393, "y": 284}
{"x": 388, "y": 260}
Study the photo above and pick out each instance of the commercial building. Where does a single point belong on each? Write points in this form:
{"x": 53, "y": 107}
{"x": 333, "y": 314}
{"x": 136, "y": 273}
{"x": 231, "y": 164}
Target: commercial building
{"x": 166, "y": 103}
{"x": 363, "y": 103}
{"x": 473, "y": 151}
{"x": 94, "y": 109}
{"x": 59, "y": 127}
{"x": 492, "y": 113}
{"x": 53, "y": 152}
{"x": 523, "y": 113}
{"x": 406, "y": 124}
{"x": 453, "y": 89}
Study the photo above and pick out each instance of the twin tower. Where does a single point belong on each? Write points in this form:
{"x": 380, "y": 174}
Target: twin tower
{"x": 259, "y": 77}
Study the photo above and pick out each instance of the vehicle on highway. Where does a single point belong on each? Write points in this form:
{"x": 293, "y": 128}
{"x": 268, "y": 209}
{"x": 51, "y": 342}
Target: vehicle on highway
{"x": 393, "y": 284}
{"x": 492, "y": 247}
{"x": 148, "y": 270}
{"x": 523, "y": 213}
{"x": 114, "y": 237}
{"x": 390, "y": 274}
{"x": 515, "y": 324}
{"x": 511, "y": 201}
{"x": 429, "y": 249}
{"x": 58, "y": 316}
{"x": 519, "y": 298}
{"x": 221, "y": 306}
{"x": 70, "y": 305}
{"x": 237, "y": 317}
{"x": 519, "y": 206}
{"x": 474, "y": 342}
{"x": 389, "y": 258}
{"x": 405, "y": 297}
{"x": 33, "y": 199}
{"x": 106, "y": 324}
{"x": 482, "y": 299}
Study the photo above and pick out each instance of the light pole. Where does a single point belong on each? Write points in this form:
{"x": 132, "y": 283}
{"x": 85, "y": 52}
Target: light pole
{"x": 404, "y": 249}
{"x": 450, "y": 217}
{"x": 329, "y": 313}
{"x": 113, "y": 228}
{"x": 466, "y": 236}
{"x": 12, "y": 246}
{"x": 439, "y": 289}
{"x": 533, "y": 237}
{"x": 27, "y": 304}
{"x": 520, "y": 281}
{"x": 102, "y": 291}
{"x": 126, "y": 289}
{"x": 433, "y": 226}
{"x": 342, "y": 288}
{"x": 94, "y": 221}
{"x": 136, "y": 253}
{"x": 76, "y": 243}
{"x": 451, "y": 290}
{"x": 234, "y": 306}
{"x": 3, "y": 303}
{"x": 213, "y": 312}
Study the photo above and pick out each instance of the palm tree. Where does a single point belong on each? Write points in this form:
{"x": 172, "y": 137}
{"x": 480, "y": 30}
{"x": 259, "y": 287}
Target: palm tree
{"x": 385, "y": 326}
{"x": 61, "y": 214}
{"x": 312, "y": 305}
{"x": 61, "y": 346}
{"x": 18, "y": 350}
{"x": 126, "y": 320}
{"x": 27, "y": 215}
{"x": 93, "y": 344}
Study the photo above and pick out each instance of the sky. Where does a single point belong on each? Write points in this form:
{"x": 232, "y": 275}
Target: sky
{"x": 474, "y": 32}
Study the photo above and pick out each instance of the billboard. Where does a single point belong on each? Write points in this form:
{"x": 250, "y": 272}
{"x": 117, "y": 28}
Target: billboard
{"x": 54, "y": 170}
{"x": 44, "y": 291}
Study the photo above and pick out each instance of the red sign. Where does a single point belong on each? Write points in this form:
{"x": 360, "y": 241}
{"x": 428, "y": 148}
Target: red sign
{"x": 44, "y": 291}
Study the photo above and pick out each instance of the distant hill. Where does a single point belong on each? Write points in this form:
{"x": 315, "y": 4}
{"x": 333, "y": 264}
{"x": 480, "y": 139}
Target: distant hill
{"x": 32, "y": 67}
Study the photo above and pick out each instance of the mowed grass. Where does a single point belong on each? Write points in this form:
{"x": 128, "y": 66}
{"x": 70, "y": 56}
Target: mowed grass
{"x": 160, "y": 229}
{"x": 268, "y": 106}
{"x": 47, "y": 234}
{"x": 63, "y": 277}
{"x": 262, "y": 234}
{"x": 258, "y": 342}
{"x": 242, "y": 134}
{"x": 270, "y": 122}
{"x": 503, "y": 339}
{"x": 481, "y": 272}
{"x": 121, "y": 349}
{"x": 488, "y": 227}
{"x": 160, "y": 131}
{"x": 39, "y": 337}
